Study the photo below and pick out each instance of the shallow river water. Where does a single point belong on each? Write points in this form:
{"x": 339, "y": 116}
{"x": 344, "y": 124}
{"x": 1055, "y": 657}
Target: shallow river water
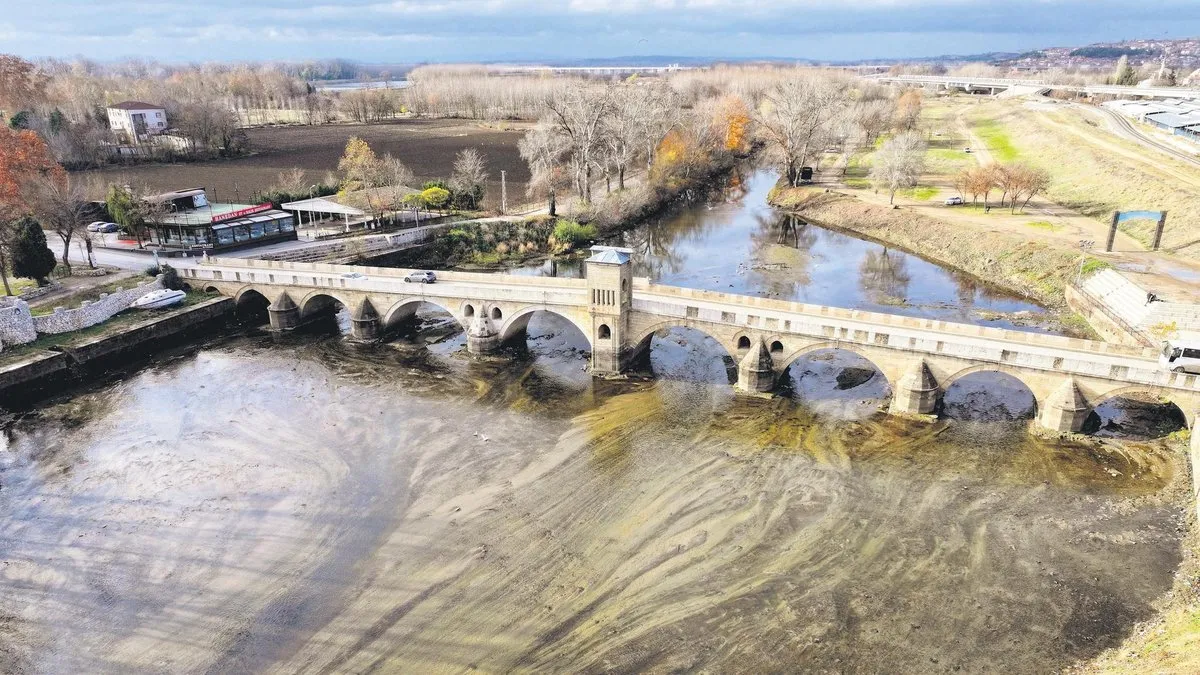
{"x": 304, "y": 504}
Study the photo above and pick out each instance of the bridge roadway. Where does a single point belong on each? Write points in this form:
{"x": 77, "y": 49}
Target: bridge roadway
{"x": 619, "y": 315}
{"x": 998, "y": 83}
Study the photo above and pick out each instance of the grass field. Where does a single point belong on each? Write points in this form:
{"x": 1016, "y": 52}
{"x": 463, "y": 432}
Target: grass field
{"x": 997, "y": 140}
{"x": 921, "y": 192}
{"x": 1095, "y": 172}
{"x": 427, "y": 146}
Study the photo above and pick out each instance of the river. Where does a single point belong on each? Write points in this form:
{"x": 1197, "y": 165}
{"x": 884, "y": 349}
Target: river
{"x": 300, "y": 503}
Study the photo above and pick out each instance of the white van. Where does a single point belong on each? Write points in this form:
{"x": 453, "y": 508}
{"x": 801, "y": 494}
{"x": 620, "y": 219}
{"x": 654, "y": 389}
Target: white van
{"x": 1180, "y": 356}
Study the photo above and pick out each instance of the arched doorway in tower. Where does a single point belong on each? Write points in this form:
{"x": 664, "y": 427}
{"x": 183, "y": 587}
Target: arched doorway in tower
{"x": 836, "y": 383}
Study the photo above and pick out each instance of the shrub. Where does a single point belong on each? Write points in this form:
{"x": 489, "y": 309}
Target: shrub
{"x": 571, "y": 234}
{"x": 171, "y": 278}
{"x": 435, "y": 197}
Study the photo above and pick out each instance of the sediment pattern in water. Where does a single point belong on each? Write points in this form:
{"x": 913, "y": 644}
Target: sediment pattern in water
{"x": 307, "y": 506}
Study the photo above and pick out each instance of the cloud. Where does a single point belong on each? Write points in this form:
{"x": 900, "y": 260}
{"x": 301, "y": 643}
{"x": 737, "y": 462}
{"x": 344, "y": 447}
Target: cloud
{"x": 457, "y": 30}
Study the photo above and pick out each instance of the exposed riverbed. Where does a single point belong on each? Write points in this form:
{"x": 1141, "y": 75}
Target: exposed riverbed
{"x": 303, "y": 504}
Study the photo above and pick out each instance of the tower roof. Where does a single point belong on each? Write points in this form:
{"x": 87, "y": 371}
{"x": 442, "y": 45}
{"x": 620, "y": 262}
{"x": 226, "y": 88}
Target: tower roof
{"x": 610, "y": 255}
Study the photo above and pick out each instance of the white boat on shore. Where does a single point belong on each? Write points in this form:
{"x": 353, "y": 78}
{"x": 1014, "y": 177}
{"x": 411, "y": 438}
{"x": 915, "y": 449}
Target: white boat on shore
{"x": 159, "y": 299}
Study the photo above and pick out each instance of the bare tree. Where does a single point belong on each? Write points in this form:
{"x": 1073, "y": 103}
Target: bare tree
{"x": 543, "y": 149}
{"x": 62, "y": 204}
{"x": 795, "y": 117}
{"x": 899, "y": 163}
{"x": 578, "y": 114}
{"x": 468, "y": 177}
{"x": 291, "y": 181}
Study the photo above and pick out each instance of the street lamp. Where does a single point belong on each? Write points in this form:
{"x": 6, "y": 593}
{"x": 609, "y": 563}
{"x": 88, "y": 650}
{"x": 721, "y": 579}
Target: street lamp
{"x": 1085, "y": 245}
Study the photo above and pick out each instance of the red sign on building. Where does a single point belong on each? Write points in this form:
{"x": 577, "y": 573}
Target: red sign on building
{"x": 240, "y": 213}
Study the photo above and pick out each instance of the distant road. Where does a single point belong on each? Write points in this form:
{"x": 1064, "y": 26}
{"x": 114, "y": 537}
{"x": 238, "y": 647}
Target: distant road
{"x": 1006, "y": 83}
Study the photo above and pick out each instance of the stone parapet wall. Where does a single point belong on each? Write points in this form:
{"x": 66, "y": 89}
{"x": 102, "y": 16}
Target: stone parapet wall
{"x": 16, "y": 322}
{"x": 92, "y": 313}
{"x": 35, "y": 293}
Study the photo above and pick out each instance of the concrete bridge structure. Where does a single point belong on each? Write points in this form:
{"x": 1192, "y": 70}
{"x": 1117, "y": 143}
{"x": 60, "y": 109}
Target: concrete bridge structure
{"x": 619, "y": 315}
{"x": 994, "y": 85}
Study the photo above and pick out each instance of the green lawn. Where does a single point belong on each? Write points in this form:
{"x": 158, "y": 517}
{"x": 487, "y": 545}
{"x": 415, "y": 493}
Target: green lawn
{"x": 946, "y": 161}
{"x": 921, "y": 192}
{"x": 996, "y": 139}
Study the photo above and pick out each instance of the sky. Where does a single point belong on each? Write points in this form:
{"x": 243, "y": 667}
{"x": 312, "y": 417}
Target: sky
{"x": 416, "y": 31}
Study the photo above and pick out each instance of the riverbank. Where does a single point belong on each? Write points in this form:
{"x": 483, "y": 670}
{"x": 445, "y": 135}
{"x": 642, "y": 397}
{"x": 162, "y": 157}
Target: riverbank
{"x": 1032, "y": 269}
{"x": 1169, "y": 642}
{"x": 73, "y": 358}
{"x": 502, "y": 244}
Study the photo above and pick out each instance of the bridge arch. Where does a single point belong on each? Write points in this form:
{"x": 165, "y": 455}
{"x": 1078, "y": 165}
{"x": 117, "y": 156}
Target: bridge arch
{"x": 1184, "y": 403}
{"x": 1038, "y": 395}
{"x": 642, "y": 340}
{"x": 517, "y": 322}
{"x": 250, "y": 304}
{"x": 403, "y": 309}
{"x": 319, "y": 300}
{"x": 783, "y": 364}
{"x": 248, "y": 292}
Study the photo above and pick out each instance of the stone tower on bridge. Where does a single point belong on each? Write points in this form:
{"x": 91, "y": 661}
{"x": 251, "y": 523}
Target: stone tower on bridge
{"x": 610, "y": 301}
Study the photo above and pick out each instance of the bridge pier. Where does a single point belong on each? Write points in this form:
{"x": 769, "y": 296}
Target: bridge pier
{"x": 283, "y": 313}
{"x": 916, "y": 393}
{"x": 756, "y": 371}
{"x": 482, "y": 336}
{"x": 365, "y": 325}
{"x": 1066, "y": 409}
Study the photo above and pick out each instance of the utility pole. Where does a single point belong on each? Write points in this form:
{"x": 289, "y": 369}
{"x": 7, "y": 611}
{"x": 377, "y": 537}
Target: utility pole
{"x": 503, "y": 193}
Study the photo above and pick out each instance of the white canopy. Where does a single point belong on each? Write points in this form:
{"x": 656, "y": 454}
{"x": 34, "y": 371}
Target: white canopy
{"x": 322, "y": 205}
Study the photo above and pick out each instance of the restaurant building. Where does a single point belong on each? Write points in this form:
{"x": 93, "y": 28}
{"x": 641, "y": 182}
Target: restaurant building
{"x": 187, "y": 220}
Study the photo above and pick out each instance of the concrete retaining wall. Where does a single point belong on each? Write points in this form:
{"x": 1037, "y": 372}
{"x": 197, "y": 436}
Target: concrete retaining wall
{"x": 24, "y": 383}
{"x": 92, "y": 313}
{"x": 102, "y": 350}
{"x": 1106, "y": 323}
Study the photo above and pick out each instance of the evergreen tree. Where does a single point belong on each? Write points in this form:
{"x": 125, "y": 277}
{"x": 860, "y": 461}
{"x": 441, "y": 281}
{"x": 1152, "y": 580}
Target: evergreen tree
{"x": 31, "y": 258}
{"x": 1124, "y": 74}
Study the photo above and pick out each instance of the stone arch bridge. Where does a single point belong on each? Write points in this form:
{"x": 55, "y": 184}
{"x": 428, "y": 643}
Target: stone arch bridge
{"x": 619, "y": 314}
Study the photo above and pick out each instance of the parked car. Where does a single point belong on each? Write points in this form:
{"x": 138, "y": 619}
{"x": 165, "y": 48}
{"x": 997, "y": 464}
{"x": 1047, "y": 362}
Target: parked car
{"x": 967, "y": 150}
{"x": 110, "y": 228}
{"x": 954, "y": 201}
{"x": 1180, "y": 356}
{"x": 101, "y": 226}
{"x": 420, "y": 278}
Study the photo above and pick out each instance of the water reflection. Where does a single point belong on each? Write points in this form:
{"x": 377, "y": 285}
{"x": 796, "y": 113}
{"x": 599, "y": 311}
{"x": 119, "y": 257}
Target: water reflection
{"x": 740, "y": 244}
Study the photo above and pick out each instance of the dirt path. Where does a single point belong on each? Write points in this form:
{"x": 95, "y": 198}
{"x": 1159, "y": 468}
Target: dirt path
{"x": 1056, "y": 225}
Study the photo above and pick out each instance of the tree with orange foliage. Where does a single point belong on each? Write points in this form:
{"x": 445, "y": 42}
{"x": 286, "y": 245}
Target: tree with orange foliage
{"x": 21, "y": 84}
{"x": 908, "y": 110}
{"x": 23, "y": 157}
{"x": 734, "y": 116}
{"x": 677, "y": 154}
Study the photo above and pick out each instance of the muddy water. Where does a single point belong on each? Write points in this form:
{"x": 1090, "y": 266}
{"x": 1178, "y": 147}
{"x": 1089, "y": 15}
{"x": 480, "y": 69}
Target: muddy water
{"x": 306, "y": 505}
{"x": 302, "y": 504}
